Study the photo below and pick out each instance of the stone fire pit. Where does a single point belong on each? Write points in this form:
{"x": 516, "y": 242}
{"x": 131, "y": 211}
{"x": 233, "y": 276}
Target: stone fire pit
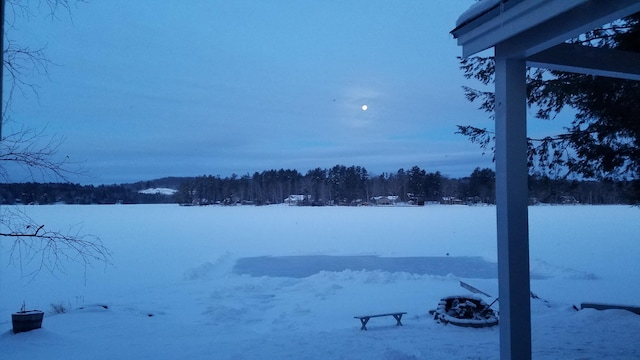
{"x": 465, "y": 311}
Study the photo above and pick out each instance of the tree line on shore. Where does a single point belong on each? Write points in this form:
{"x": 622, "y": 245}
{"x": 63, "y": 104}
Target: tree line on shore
{"x": 339, "y": 185}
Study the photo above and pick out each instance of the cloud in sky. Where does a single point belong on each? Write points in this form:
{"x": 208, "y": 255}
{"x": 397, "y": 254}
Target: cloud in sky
{"x": 144, "y": 89}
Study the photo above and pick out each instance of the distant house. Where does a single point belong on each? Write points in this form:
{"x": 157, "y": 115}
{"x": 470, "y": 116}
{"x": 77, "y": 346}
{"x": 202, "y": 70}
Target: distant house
{"x": 568, "y": 200}
{"x": 450, "y": 200}
{"x": 295, "y": 200}
{"x": 385, "y": 200}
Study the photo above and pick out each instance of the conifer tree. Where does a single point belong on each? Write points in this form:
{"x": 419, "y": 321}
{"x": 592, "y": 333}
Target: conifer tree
{"x": 603, "y": 139}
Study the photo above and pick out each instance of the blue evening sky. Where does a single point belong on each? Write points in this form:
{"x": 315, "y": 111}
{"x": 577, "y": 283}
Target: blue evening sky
{"x": 146, "y": 89}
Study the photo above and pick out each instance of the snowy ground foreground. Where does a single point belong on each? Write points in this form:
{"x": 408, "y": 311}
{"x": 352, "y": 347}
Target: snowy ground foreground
{"x": 173, "y": 292}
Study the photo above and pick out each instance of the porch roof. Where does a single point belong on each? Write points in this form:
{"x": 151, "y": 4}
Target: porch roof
{"x": 537, "y": 30}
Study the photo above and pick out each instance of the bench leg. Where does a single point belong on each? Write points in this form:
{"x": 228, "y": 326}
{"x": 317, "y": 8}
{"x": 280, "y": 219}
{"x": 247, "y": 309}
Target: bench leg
{"x": 364, "y": 322}
{"x": 398, "y": 317}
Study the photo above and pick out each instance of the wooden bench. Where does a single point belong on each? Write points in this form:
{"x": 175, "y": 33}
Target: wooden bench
{"x": 364, "y": 319}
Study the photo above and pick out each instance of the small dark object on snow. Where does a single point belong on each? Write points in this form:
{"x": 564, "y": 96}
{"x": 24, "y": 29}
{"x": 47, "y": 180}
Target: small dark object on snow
{"x": 465, "y": 311}
{"x": 26, "y": 320}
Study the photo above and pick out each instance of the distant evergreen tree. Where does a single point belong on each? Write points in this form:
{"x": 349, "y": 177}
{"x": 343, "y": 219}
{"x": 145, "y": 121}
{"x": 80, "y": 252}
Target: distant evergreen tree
{"x": 482, "y": 183}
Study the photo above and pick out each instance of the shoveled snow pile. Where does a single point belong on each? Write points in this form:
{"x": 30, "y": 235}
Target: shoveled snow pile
{"x": 191, "y": 283}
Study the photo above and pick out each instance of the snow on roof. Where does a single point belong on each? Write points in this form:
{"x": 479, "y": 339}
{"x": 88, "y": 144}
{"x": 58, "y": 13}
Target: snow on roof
{"x": 476, "y": 10}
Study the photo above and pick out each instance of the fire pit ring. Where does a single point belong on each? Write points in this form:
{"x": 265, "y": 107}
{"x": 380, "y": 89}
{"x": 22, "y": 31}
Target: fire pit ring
{"x": 465, "y": 311}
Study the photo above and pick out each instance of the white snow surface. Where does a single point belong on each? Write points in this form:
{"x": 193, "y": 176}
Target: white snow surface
{"x": 172, "y": 292}
{"x": 160, "y": 191}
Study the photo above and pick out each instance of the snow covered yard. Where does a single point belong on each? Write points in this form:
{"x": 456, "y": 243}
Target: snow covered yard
{"x": 175, "y": 291}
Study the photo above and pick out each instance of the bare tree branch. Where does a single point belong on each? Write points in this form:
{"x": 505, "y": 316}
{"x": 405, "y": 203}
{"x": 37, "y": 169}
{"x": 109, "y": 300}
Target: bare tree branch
{"x": 20, "y": 63}
{"x": 36, "y": 154}
{"x": 33, "y": 244}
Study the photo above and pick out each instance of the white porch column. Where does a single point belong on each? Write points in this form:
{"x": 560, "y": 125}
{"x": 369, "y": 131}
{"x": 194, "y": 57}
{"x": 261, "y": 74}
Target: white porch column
{"x": 512, "y": 199}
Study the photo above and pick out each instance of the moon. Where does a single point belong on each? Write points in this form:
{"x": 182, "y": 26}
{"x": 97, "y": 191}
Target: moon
{"x": 364, "y": 107}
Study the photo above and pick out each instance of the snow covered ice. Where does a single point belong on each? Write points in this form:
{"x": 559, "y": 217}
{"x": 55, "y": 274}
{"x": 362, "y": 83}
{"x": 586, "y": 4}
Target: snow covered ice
{"x": 180, "y": 286}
